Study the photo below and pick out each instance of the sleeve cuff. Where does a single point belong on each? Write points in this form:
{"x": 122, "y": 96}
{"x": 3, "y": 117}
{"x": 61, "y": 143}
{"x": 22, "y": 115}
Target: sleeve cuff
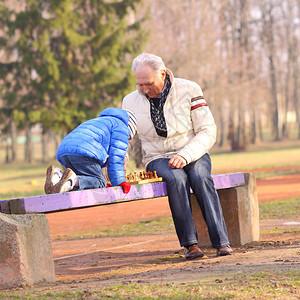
{"x": 186, "y": 156}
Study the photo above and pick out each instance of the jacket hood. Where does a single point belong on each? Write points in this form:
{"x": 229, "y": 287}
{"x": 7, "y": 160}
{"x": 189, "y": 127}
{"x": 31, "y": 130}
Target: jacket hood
{"x": 115, "y": 112}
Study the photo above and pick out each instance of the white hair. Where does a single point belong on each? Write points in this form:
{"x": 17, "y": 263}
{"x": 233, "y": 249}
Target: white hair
{"x": 154, "y": 61}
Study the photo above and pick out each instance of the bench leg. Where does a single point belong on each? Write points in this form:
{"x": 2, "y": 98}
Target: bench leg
{"x": 26, "y": 254}
{"x": 240, "y": 210}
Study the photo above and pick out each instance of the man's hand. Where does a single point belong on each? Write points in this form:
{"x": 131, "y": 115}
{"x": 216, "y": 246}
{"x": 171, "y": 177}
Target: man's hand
{"x": 177, "y": 162}
{"x": 126, "y": 187}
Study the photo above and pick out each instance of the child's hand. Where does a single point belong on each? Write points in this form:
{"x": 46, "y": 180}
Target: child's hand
{"x": 126, "y": 187}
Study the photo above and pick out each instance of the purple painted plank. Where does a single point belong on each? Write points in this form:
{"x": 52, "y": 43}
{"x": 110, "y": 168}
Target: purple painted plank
{"x": 76, "y": 199}
{"x": 224, "y": 181}
{"x": 4, "y": 206}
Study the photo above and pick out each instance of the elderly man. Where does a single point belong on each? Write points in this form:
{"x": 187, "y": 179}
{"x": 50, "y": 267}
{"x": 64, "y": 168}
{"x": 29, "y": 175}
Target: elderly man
{"x": 176, "y": 130}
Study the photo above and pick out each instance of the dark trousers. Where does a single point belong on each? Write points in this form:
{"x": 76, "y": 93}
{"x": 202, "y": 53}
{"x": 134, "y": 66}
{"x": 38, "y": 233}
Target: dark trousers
{"x": 87, "y": 169}
{"x": 196, "y": 175}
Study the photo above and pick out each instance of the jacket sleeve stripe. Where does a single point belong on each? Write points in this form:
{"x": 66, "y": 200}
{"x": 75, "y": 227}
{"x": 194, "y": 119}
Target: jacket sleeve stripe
{"x": 197, "y": 98}
{"x": 198, "y": 105}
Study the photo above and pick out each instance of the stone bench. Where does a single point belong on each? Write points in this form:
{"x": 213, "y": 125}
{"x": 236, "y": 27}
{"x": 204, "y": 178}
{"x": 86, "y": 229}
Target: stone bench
{"x": 237, "y": 192}
{"x": 26, "y": 253}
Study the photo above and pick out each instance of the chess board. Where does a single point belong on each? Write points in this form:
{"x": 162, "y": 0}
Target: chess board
{"x": 142, "y": 177}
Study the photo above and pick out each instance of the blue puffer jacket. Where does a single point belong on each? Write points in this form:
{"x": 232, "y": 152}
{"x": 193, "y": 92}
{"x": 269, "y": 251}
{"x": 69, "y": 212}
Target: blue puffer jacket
{"x": 104, "y": 138}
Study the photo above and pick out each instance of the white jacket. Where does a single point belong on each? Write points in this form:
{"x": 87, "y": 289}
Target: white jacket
{"x": 190, "y": 125}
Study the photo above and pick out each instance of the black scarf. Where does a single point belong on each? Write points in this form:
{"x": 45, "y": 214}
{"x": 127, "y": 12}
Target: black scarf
{"x": 156, "y": 109}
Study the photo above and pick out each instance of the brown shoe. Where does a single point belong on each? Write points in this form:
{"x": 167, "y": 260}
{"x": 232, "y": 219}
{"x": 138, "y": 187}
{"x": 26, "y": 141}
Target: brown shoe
{"x": 193, "y": 251}
{"x": 53, "y": 176}
{"x": 48, "y": 183}
{"x": 224, "y": 252}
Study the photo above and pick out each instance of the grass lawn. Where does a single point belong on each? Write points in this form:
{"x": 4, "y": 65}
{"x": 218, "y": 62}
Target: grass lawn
{"x": 260, "y": 285}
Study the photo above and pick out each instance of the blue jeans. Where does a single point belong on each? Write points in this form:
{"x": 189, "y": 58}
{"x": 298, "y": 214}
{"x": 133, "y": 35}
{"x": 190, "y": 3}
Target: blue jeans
{"x": 196, "y": 175}
{"x": 87, "y": 169}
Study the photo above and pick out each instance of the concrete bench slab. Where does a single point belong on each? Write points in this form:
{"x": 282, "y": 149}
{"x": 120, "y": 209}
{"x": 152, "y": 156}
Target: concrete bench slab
{"x": 26, "y": 255}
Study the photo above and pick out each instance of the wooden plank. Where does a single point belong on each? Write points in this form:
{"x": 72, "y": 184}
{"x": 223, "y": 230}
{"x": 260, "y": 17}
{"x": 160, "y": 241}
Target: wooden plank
{"x": 86, "y": 198}
{"x": 4, "y": 206}
{"x": 225, "y": 181}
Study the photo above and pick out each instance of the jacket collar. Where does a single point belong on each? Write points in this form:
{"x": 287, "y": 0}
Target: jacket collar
{"x": 169, "y": 72}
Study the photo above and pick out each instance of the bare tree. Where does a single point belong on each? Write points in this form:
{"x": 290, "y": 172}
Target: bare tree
{"x": 243, "y": 53}
{"x": 28, "y": 154}
{"x": 295, "y": 64}
{"x": 267, "y": 9}
{"x": 13, "y": 134}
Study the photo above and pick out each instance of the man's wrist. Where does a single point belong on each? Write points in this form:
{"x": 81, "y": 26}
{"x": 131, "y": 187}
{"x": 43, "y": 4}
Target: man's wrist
{"x": 185, "y": 156}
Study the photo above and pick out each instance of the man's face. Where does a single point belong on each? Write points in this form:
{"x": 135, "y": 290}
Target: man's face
{"x": 150, "y": 82}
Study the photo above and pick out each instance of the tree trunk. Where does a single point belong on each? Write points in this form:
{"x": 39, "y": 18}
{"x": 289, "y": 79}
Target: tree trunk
{"x": 295, "y": 84}
{"x": 242, "y": 128}
{"x": 28, "y": 143}
{"x": 285, "y": 133}
{"x": 7, "y": 148}
{"x": 260, "y": 128}
{"x": 14, "y": 143}
{"x": 275, "y": 114}
{"x": 233, "y": 135}
{"x": 221, "y": 128}
{"x": 56, "y": 141}
{"x": 45, "y": 149}
{"x": 269, "y": 19}
{"x": 253, "y": 133}
{"x": 287, "y": 83}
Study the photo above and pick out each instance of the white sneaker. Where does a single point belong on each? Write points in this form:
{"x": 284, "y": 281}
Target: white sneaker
{"x": 53, "y": 176}
{"x": 66, "y": 182}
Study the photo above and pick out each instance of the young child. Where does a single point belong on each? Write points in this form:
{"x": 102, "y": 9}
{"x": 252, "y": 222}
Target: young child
{"x": 94, "y": 144}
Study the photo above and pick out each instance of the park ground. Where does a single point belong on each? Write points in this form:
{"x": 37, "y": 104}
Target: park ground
{"x": 90, "y": 263}
{"x": 159, "y": 257}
